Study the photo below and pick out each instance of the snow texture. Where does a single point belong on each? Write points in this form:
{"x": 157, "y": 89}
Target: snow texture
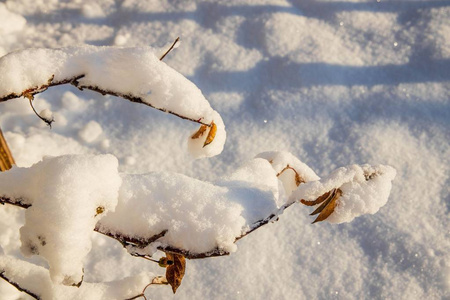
{"x": 199, "y": 216}
{"x": 36, "y": 278}
{"x": 65, "y": 193}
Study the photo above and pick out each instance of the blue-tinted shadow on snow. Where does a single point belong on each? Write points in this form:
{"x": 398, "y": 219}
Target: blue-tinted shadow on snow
{"x": 208, "y": 13}
{"x": 280, "y": 74}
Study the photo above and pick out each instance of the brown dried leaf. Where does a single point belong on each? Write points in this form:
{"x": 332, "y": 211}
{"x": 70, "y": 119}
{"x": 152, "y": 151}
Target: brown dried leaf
{"x": 319, "y": 200}
{"x": 199, "y": 132}
{"x": 6, "y": 158}
{"x": 328, "y": 206}
{"x": 211, "y": 134}
{"x": 175, "y": 272}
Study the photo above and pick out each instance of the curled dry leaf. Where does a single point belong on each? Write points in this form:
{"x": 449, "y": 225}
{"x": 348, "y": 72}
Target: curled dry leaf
{"x": 327, "y": 207}
{"x": 199, "y": 132}
{"x": 175, "y": 272}
{"x": 202, "y": 130}
{"x": 211, "y": 134}
{"x": 6, "y": 158}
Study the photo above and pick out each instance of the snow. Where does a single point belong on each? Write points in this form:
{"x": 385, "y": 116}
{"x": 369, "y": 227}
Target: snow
{"x": 199, "y": 216}
{"x": 90, "y": 132}
{"x": 373, "y": 90}
{"x": 10, "y": 22}
{"x": 35, "y": 278}
{"x": 65, "y": 193}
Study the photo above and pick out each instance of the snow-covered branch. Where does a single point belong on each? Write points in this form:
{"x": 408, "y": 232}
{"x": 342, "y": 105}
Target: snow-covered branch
{"x": 135, "y": 74}
{"x": 168, "y": 211}
{"x": 36, "y": 282}
{"x": 68, "y": 197}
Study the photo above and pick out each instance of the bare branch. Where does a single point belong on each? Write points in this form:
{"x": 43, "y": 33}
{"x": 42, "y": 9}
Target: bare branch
{"x": 170, "y": 49}
{"x": 159, "y": 280}
{"x": 17, "y": 286}
{"x": 17, "y": 202}
{"x": 47, "y": 121}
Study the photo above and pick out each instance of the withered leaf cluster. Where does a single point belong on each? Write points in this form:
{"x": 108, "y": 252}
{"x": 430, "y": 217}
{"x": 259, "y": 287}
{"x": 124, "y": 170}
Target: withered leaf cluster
{"x": 327, "y": 204}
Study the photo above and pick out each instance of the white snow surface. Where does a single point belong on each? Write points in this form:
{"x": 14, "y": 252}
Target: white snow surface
{"x": 335, "y": 83}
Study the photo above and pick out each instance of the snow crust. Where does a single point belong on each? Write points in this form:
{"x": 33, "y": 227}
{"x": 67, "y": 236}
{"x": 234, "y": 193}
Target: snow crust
{"x": 365, "y": 189}
{"x": 65, "y": 193}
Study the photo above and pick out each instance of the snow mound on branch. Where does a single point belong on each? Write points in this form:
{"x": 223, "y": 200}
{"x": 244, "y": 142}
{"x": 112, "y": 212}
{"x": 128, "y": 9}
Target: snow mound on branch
{"x": 132, "y": 72}
{"x": 196, "y": 146}
{"x": 65, "y": 193}
{"x": 36, "y": 279}
{"x": 365, "y": 189}
{"x": 282, "y": 159}
{"x": 199, "y": 216}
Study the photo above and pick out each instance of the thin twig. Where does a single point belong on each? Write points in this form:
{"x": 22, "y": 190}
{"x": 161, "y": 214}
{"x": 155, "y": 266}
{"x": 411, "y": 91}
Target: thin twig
{"x": 47, "y": 121}
{"x": 170, "y": 49}
{"x": 17, "y": 286}
{"x": 154, "y": 281}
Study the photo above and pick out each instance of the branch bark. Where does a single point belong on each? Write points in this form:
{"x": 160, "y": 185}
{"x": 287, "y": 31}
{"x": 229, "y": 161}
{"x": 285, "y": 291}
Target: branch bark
{"x": 17, "y": 286}
{"x": 75, "y": 82}
{"x": 141, "y": 243}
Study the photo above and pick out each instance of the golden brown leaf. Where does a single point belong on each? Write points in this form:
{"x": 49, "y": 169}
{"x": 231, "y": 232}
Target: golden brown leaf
{"x": 6, "y": 158}
{"x": 211, "y": 134}
{"x": 327, "y": 208}
{"x": 319, "y": 200}
{"x": 199, "y": 132}
{"x": 175, "y": 272}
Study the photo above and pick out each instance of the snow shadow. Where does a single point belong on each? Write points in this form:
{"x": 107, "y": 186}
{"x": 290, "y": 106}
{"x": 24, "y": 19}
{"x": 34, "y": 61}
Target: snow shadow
{"x": 281, "y": 74}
